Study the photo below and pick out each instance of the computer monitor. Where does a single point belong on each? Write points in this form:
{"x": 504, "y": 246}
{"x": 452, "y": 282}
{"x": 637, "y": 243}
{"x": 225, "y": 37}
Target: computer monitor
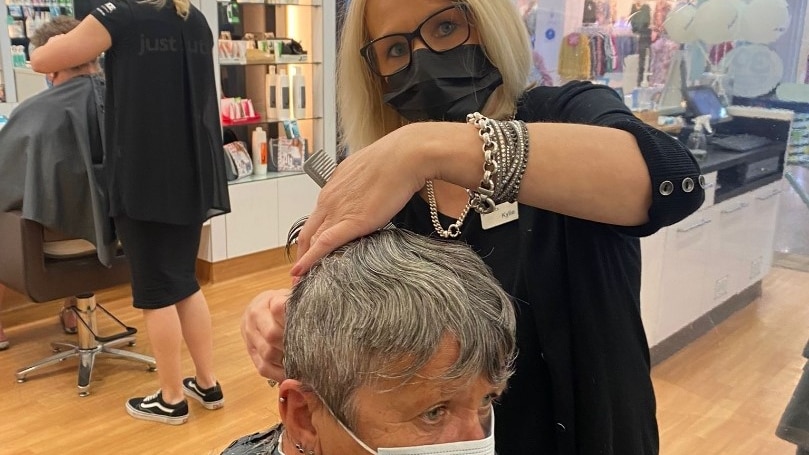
{"x": 702, "y": 100}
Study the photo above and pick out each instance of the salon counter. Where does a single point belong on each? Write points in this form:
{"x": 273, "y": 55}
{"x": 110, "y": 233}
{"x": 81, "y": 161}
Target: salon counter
{"x": 701, "y": 270}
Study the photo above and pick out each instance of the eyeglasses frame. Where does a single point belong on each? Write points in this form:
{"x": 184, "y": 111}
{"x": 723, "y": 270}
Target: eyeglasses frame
{"x": 416, "y": 34}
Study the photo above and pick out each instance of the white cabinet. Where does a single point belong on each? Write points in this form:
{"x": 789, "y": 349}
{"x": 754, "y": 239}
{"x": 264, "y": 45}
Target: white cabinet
{"x": 686, "y": 260}
{"x": 731, "y": 248}
{"x": 260, "y": 217}
{"x": 252, "y": 224}
{"x": 766, "y": 201}
{"x": 694, "y": 266}
{"x": 747, "y": 227}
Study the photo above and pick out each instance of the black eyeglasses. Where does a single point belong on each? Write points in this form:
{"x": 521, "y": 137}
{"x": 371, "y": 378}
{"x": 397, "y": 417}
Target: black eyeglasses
{"x": 442, "y": 31}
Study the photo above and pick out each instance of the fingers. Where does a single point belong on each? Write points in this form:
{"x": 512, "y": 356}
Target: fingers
{"x": 262, "y": 329}
{"x": 326, "y": 242}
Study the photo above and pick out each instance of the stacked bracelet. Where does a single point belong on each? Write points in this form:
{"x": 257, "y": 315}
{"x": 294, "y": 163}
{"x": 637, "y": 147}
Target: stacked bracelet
{"x": 505, "y": 158}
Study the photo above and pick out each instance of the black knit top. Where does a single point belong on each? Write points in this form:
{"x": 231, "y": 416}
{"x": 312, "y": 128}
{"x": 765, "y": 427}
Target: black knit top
{"x": 582, "y": 383}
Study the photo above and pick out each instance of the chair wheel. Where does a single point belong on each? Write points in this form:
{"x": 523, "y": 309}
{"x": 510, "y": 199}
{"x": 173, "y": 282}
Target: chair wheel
{"x": 56, "y": 350}
{"x": 84, "y": 393}
{"x": 131, "y": 343}
{"x": 20, "y": 380}
{"x": 152, "y": 368}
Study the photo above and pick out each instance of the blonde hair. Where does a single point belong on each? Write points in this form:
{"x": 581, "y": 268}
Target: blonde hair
{"x": 365, "y": 117}
{"x": 182, "y": 6}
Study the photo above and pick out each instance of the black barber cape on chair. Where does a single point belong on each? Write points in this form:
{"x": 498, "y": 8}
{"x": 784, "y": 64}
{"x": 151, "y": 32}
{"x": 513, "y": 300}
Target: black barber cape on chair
{"x": 56, "y": 240}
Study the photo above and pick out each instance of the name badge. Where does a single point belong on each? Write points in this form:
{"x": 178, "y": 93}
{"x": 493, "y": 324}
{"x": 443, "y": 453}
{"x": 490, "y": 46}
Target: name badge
{"x": 502, "y": 214}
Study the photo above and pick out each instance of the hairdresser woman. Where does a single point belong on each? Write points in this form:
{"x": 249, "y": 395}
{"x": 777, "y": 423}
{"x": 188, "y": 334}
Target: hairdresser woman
{"x": 588, "y": 179}
{"x": 165, "y": 176}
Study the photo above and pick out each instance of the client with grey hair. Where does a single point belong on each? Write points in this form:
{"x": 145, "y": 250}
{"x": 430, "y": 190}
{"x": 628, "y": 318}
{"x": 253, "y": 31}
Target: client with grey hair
{"x": 395, "y": 343}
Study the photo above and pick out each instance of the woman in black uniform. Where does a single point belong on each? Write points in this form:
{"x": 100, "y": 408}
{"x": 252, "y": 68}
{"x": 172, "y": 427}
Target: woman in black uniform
{"x": 588, "y": 177}
{"x": 165, "y": 175}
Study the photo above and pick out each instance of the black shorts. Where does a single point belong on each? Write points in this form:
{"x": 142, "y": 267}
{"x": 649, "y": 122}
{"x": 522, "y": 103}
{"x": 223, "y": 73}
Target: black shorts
{"x": 162, "y": 258}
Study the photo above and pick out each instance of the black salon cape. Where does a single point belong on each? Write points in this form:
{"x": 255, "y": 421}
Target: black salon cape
{"x": 51, "y": 163}
{"x": 265, "y": 442}
{"x": 582, "y": 383}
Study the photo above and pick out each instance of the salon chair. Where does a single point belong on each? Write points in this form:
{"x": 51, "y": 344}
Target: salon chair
{"x": 45, "y": 266}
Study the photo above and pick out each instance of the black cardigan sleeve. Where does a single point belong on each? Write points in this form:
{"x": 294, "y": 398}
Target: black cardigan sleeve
{"x": 674, "y": 173}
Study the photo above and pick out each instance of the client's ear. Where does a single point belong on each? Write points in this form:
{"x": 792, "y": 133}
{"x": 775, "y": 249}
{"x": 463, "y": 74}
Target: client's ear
{"x": 297, "y": 406}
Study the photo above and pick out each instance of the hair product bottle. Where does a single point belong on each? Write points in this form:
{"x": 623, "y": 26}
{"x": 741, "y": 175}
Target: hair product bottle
{"x": 259, "y": 151}
{"x": 270, "y": 81}
{"x": 299, "y": 94}
{"x": 282, "y": 95}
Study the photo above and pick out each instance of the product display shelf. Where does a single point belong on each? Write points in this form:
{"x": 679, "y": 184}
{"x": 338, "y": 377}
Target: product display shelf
{"x": 262, "y": 120}
{"x": 267, "y": 176}
{"x": 285, "y": 20}
{"x": 264, "y": 206}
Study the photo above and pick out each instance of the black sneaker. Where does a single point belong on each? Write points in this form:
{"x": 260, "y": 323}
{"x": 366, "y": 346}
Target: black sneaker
{"x": 154, "y": 408}
{"x": 210, "y": 398}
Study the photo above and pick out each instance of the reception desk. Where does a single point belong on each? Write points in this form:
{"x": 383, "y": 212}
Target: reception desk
{"x": 701, "y": 270}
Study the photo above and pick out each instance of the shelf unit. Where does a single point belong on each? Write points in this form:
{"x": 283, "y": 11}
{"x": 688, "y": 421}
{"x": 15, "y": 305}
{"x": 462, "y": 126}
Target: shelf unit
{"x": 264, "y": 207}
{"x": 13, "y": 16}
{"x": 20, "y": 10}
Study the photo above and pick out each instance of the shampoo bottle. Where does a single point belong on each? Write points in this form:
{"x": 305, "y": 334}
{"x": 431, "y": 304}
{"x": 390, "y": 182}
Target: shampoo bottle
{"x": 282, "y": 95}
{"x": 299, "y": 94}
{"x": 259, "y": 152}
{"x": 270, "y": 99}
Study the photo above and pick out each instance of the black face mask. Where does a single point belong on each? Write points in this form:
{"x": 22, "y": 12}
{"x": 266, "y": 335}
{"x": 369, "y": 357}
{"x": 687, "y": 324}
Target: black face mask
{"x": 445, "y": 86}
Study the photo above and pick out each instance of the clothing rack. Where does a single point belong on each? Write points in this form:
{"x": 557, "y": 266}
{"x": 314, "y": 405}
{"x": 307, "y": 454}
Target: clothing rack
{"x": 595, "y": 29}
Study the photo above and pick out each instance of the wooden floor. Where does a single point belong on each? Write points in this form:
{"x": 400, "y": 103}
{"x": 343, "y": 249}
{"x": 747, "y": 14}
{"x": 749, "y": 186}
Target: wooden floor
{"x": 721, "y": 395}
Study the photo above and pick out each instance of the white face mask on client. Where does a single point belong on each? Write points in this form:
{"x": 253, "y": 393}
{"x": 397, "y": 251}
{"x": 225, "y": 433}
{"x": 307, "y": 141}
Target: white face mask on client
{"x": 483, "y": 446}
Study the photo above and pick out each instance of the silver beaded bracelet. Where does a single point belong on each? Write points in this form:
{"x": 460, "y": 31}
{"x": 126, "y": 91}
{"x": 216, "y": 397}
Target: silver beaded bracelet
{"x": 505, "y": 159}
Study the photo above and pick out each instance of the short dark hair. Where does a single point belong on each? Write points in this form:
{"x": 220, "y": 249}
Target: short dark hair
{"x": 59, "y": 25}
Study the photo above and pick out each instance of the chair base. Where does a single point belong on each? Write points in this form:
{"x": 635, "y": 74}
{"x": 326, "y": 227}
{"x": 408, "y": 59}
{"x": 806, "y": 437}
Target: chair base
{"x": 89, "y": 345}
{"x": 87, "y": 359}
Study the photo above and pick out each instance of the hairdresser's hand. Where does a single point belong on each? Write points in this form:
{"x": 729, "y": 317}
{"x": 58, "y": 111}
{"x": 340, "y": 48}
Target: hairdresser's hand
{"x": 263, "y": 332}
{"x": 368, "y": 189}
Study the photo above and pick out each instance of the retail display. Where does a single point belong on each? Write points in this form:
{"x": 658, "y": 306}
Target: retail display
{"x": 267, "y": 54}
{"x": 25, "y": 16}
{"x": 263, "y": 206}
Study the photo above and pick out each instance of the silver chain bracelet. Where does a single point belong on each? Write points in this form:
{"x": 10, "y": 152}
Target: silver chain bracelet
{"x": 481, "y": 199}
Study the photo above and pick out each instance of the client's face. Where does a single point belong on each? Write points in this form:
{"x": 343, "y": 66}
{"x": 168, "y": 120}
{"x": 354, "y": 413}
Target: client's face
{"x": 423, "y": 411}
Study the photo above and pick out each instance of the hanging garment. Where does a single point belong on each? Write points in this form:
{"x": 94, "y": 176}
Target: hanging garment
{"x": 662, "y": 52}
{"x": 574, "y": 57}
{"x": 661, "y": 12}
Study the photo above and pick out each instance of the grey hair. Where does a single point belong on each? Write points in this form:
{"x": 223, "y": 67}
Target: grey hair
{"x": 379, "y": 307}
